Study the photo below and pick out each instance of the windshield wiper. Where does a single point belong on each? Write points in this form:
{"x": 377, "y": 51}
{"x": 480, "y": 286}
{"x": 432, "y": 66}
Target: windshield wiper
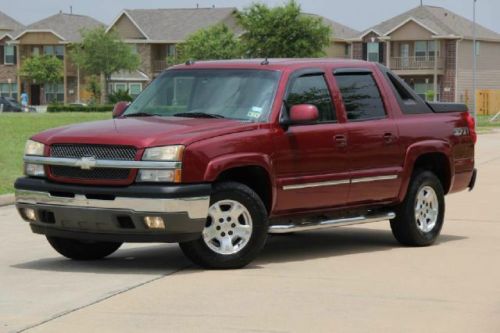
{"x": 198, "y": 115}
{"x": 141, "y": 114}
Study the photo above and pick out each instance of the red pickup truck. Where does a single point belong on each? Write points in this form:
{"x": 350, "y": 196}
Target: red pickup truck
{"x": 217, "y": 155}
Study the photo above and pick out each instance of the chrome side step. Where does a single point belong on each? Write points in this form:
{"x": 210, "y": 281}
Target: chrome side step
{"x": 286, "y": 228}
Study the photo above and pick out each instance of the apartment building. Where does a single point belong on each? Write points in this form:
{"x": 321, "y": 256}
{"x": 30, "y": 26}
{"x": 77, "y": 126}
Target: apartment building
{"x": 431, "y": 48}
{"x": 8, "y": 56}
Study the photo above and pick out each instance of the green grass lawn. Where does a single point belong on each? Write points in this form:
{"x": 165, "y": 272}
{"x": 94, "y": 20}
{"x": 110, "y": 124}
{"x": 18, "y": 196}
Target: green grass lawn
{"x": 16, "y": 128}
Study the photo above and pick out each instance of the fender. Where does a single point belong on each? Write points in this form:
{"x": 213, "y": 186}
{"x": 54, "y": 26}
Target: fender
{"x": 225, "y": 162}
{"x": 418, "y": 149}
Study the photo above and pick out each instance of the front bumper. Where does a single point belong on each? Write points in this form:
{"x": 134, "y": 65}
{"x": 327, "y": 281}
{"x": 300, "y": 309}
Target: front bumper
{"x": 114, "y": 213}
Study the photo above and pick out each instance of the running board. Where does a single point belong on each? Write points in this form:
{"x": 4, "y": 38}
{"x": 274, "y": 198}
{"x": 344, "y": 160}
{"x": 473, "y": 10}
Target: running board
{"x": 286, "y": 228}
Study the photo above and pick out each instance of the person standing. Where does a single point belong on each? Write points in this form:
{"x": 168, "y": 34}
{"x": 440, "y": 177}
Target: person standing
{"x": 24, "y": 101}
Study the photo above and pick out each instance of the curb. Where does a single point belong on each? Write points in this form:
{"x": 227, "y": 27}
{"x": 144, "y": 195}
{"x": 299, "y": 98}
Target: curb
{"x": 7, "y": 199}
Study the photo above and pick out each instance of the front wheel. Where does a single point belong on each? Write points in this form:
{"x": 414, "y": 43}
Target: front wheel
{"x": 82, "y": 250}
{"x": 419, "y": 218}
{"x": 235, "y": 231}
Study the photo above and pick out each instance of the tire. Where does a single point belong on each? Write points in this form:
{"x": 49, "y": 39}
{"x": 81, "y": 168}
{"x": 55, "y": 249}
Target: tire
{"x": 235, "y": 232}
{"x": 425, "y": 199}
{"x": 82, "y": 250}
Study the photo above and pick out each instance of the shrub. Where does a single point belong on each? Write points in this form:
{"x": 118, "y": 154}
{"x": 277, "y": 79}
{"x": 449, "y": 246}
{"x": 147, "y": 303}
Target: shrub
{"x": 120, "y": 96}
{"x": 53, "y": 108}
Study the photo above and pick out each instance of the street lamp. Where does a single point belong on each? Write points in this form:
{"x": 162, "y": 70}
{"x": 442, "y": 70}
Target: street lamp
{"x": 474, "y": 60}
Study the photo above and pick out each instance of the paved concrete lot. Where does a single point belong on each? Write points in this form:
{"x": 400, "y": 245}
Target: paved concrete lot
{"x": 355, "y": 279}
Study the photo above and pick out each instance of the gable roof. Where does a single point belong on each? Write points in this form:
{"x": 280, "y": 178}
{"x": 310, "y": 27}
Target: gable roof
{"x": 175, "y": 25}
{"x": 439, "y": 21}
{"x": 8, "y": 23}
{"x": 339, "y": 30}
{"x": 67, "y": 27}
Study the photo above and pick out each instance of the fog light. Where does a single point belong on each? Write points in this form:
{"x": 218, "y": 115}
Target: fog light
{"x": 29, "y": 214}
{"x": 36, "y": 170}
{"x": 154, "y": 222}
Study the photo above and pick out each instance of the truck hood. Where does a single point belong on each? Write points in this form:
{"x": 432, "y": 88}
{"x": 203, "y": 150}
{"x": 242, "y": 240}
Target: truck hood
{"x": 143, "y": 132}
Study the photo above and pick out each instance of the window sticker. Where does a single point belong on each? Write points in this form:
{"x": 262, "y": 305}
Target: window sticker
{"x": 255, "y": 112}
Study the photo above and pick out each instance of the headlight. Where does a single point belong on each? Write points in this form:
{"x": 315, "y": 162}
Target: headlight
{"x": 34, "y": 170}
{"x": 161, "y": 176}
{"x": 34, "y": 148}
{"x": 167, "y": 153}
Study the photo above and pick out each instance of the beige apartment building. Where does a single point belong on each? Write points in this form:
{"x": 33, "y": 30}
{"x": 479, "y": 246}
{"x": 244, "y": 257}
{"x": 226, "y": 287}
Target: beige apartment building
{"x": 8, "y": 56}
{"x": 431, "y": 48}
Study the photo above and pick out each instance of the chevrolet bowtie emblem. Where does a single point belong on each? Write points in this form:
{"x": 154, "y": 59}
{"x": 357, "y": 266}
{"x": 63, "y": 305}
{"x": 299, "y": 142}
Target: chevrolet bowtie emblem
{"x": 86, "y": 163}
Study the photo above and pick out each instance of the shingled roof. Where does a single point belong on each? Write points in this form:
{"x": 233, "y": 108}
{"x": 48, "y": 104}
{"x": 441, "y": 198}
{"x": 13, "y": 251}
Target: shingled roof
{"x": 440, "y": 21}
{"x": 176, "y": 24}
{"x": 8, "y": 24}
{"x": 339, "y": 30}
{"x": 66, "y": 26}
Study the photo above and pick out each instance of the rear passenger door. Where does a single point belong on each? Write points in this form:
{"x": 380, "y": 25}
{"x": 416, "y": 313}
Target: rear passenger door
{"x": 373, "y": 149}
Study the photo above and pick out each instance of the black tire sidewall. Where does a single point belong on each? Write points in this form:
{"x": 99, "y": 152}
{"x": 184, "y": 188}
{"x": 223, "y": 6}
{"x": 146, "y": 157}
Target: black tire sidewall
{"x": 202, "y": 255}
{"x": 405, "y": 225}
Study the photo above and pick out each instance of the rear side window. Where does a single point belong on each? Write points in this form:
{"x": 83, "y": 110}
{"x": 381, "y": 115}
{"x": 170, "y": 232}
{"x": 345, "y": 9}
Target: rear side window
{"x": 361, "y": 96}
{"x": 312, "y": 89}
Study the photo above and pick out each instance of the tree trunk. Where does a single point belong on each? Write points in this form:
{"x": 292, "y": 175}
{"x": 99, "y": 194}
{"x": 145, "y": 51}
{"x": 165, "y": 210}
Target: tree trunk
{"x": 104, "y": 89}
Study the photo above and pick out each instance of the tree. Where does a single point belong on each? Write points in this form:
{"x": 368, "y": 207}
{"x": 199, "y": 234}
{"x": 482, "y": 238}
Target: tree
{"x": 215, "y": 42}
{"x": 103, "y": 53}
{"x": 282, "y": 32}
{"x": 42, "y": 69}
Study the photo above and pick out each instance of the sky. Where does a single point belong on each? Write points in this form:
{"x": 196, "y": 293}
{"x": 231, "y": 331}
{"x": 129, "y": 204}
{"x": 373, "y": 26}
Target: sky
{"x": 358, "y": 14}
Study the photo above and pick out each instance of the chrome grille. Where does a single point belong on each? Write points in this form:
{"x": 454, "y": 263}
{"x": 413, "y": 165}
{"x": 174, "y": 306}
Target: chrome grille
{"x": 98, "y": 174}
{"x": 99, "y": 152}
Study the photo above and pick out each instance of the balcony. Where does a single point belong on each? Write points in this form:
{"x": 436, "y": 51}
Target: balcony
{"x": 417, "y": 65}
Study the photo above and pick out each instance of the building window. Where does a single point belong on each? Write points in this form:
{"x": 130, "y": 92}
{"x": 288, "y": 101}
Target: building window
{"x": 372, "y": 52}
{"x": 134, "y": 89}
{"x": 9, "y": 57}
{"x": 347, "y": 50}
{"x": 54, "y": 92}
{"x": 426, "y": 49}
{"x": 171, "y": 50}
{"x": 48, "y": 50}
{"x": 59, "y": 51}
{"x": 120, "y": 86}
{"x": 478, "y": 46}
{"x": 35, "y": 51}
{"x": 8, "y": 90}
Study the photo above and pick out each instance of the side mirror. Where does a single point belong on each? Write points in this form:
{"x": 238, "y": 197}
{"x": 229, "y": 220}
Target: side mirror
{"x": 303, "y": 114}
{"x": 120, "y": 108}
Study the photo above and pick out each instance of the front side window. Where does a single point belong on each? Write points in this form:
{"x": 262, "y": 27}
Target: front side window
{"x": 373, "y": 52}
{"x": 9, "y": 55}
{"x": 361, "y": 96}
{"x": 245, "y": 95}
{"x": 312, "y": 89}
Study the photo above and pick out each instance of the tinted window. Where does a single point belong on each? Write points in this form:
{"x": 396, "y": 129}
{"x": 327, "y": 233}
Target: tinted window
{"x": 361, "y": 96}
{"x": 312, "y": 89}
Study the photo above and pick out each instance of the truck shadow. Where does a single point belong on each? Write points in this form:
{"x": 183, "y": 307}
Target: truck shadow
{"x": 162, "y": 259}
{"x": 332, "y": 243}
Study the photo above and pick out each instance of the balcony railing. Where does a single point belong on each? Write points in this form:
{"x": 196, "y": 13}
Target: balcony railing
{"x": 416, "y": 63}
{"x": 159, "y": 66}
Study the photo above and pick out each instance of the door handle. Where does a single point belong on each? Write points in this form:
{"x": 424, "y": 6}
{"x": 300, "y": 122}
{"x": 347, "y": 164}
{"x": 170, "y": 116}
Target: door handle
{"x": 389, "y": 138}
{"x": 341, "y": 141}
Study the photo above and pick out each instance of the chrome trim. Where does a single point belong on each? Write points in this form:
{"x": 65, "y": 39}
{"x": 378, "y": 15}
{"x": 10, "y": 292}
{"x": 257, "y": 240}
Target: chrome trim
{"x": 86, "y": 163}
{"x": 373, "y": 179}
{"x": 318, "y": 184}
{"x": 339, "y": 182}
{"x": 196, "y": 207}
{"x": 283, "y": 229}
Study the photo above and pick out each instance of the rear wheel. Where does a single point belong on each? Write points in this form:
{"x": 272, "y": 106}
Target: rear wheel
{"x": 82, "y": 250}
{"x": 419, "y": 218}
{"x": 235, "y": 231}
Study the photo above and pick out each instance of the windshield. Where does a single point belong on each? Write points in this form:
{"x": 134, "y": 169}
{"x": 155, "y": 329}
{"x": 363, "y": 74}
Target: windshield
{"x": 245, "y": 95}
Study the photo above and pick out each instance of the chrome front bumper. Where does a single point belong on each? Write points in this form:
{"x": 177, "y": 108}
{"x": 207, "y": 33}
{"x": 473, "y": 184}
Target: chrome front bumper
{"x": 113, "y": 213}
{"x": 195, "y": 207}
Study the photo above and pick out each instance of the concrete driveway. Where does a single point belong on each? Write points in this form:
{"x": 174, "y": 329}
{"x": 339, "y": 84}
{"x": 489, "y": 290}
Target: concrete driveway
{"x": 355, "y": 279}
